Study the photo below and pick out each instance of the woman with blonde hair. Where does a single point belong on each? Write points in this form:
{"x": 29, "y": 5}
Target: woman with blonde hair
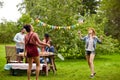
{"x": 90, "y": 44}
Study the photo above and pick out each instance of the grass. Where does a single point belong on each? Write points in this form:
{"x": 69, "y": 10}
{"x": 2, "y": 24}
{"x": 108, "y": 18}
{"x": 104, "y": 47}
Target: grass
{"x": 107, "y": 67}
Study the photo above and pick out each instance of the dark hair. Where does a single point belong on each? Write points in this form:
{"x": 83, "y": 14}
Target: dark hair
{"x": 27, "y": 27}
{"x": 46, "y": 35}
{"x": 51, "y": 43}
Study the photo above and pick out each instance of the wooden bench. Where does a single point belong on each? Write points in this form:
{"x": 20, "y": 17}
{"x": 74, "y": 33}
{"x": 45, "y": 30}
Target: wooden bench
{"x": 14, "y": 67}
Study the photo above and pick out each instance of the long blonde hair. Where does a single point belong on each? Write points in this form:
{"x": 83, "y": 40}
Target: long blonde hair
{"x": 93, "y": 31}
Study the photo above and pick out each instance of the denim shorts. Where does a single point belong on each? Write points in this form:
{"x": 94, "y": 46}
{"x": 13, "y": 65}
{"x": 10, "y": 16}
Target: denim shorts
{"x": 89, "y": 52}
{"x": 19, "y": 50}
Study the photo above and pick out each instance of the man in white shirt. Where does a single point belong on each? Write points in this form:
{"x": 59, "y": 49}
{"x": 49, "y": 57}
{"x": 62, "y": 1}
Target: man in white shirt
{"x": 19, "y": 39}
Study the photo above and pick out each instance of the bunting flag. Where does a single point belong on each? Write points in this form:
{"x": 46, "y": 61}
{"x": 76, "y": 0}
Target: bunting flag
{"x": 40, "y": 23}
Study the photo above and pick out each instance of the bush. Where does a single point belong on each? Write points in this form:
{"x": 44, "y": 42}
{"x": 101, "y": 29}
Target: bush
{"x": 66, "y": 41}
{"x": 8, "y": 31}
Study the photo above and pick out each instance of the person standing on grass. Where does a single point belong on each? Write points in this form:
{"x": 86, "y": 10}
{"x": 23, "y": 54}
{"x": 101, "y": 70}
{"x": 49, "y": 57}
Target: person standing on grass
{"x": 32, "y": 42}
{"x": 19, "y": 39}
{"x": 90, "y": 44}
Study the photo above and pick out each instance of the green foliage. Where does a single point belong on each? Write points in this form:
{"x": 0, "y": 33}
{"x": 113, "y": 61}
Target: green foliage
{"x": 66, "y": 12}
{"x": 9, "y": 29}
{"x": 68, "y": 43}
{"x": 25, "y": 19}
{"x": 61, "y": 13}
{"x": 109, "y": 46}
{"x": 55, "y": 12}
{"x": 90, "y": 6}
{"x": 7, "y": 32}
{"x": 111, "y": 9}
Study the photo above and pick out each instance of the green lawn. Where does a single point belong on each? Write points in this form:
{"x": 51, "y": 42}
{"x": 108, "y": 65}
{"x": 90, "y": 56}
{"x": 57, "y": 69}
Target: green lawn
{"x": 107, "y": 67}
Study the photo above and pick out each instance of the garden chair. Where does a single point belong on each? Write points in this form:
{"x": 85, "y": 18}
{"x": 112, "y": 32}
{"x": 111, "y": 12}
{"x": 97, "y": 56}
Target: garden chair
{"x": 11, "y": 56}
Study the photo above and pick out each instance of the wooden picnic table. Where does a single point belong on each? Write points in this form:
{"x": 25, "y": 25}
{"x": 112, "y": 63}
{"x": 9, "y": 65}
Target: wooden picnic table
{"x": 11, "y": 58}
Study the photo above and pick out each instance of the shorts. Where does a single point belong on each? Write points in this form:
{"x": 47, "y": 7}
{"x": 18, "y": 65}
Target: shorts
{"x": 32, "y": 50}
{"x": 89, "y": 52}
{"x": 47, "y": 59}
{"x": 19, "y": 50}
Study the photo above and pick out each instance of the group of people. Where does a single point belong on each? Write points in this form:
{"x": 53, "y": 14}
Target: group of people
{"x": 30, "y": 43}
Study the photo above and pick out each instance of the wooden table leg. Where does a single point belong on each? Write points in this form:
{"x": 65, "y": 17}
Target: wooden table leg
{"x": 52, "y": 64}
{"x": 46, "y": 66}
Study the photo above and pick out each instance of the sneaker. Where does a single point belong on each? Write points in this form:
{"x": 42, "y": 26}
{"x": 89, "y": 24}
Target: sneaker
{"x": 92, "y": 75}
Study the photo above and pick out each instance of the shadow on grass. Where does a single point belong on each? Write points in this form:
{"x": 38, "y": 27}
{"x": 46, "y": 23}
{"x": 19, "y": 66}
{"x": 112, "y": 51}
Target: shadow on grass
{"x": 16, "y": 73}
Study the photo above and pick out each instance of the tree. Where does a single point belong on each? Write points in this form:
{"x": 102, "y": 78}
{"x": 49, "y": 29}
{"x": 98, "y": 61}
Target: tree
{"x": 111, "y": 9}
{"x": 90, "y": 6}
{"x": 64, "y": 13}
{"x": 55, "y": 12}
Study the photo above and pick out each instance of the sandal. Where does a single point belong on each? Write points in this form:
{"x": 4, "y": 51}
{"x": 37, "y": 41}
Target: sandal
{"x": 92, "y": 75}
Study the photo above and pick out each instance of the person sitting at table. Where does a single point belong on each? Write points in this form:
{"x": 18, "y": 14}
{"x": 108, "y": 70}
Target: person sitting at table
{"x": 47, "y": 40}
{"x": 51, "y": 48}
{"x": 48, "y": 49}
{"x": 43, "y": 48}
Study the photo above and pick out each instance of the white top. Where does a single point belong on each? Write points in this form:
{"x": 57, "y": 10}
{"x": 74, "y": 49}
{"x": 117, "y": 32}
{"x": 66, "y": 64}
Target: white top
{"x": 19, "y": 37}
{"x": 21, "y": 66}
{"x": 90, "y": 45}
